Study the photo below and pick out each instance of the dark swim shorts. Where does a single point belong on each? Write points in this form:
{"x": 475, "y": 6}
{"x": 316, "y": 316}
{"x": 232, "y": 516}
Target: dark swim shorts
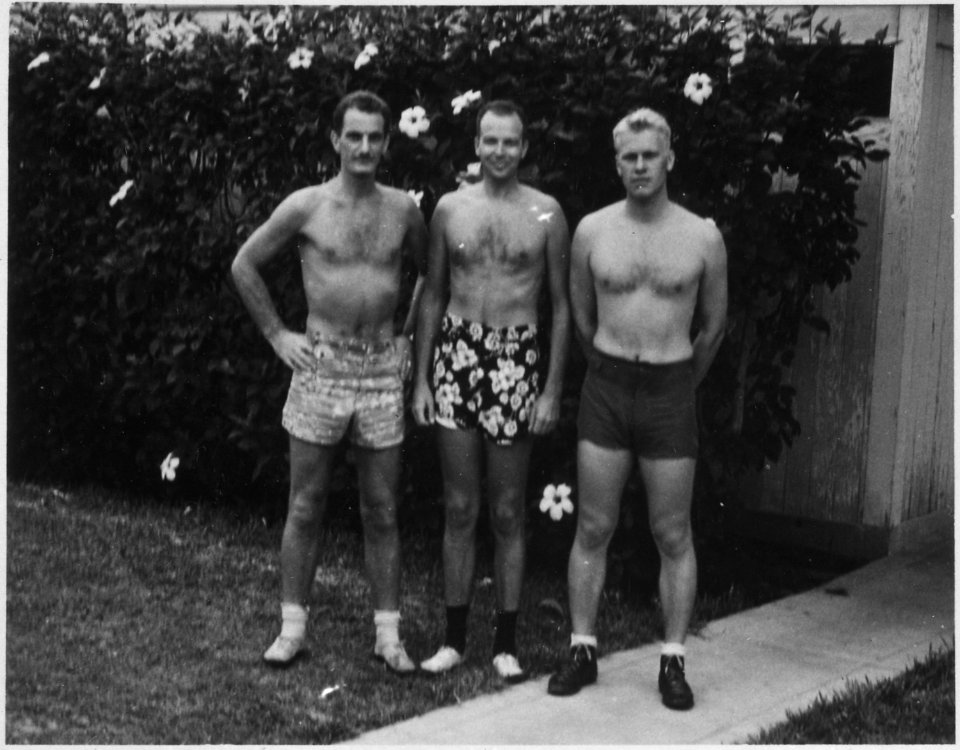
{"x": 486, "y": 378}
{"x": 647, "y": 408}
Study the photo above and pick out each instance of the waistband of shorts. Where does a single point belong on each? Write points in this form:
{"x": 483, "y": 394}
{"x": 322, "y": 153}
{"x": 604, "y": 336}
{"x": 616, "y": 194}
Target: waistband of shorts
{"x": 351, "y": 345}
{"x": 628, "y": 371}
{"x": 459, "y": 322}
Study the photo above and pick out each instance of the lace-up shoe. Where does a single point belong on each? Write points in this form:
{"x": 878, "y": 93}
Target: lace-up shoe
{"x": 579, "y": 670}
{"x": 674, "y": 690}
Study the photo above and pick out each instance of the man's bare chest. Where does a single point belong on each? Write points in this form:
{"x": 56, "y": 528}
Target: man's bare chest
{"x": 510, "y": 240}
{"x": 631, "y": 266}
{"x": 353, "y": 237}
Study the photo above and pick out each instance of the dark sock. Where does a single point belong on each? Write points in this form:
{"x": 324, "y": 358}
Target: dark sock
{"x": 505, "y": 635}
{"x": 456, "y": 636}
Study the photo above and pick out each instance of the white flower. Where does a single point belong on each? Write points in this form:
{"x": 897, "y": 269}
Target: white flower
{"x": 494, "y": 43}
{"x": 168, "y": 469}
{"x": 473, "y": 169}
{"x": 417, "y": 196}
{"x": 244, "y": 93}
{"x": 698, "y": 88}
{"x": 556, "y": 501}
{"x": 414, "y": 122}
{"x": 96, "y": 40}
{"x": 366, "y": 56}
{"x": 103, "y": 113}
{"x": 121, "y": 193}
{"x": 459, "y": 103}
{"x": 738, "y": 48}
{"x": 39, "y": 60}
{"x": 300, "y": 58}
{"x": 95, "y": 83}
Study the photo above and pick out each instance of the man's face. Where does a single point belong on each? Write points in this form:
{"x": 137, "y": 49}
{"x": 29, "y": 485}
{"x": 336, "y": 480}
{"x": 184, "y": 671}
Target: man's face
{"x": 643, "y": 161}
{"x": 361, "y": 143}
{"x": 500, "y": 145}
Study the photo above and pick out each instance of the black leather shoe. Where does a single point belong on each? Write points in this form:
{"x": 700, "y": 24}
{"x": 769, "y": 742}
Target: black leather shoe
{"x": 674, "y": 690}
{"x": 579, "y": 670}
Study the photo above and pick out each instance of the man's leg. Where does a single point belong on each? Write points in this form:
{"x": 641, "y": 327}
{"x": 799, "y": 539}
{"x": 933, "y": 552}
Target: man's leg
{"x": 299, "y": 548}
{"x": 378, "y": 475}
{"x": 602, "y": 475}
{"x": 460, "y": 459}
{"x": 506, "y": 486}
{"x": 669, "y": 485}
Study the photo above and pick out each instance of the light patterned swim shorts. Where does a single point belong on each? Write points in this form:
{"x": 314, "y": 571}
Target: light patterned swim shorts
{"x": 355, "y": 389}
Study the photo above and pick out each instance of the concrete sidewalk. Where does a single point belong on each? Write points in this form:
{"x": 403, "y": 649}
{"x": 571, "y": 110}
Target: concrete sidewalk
{"x": 746, "y": 670}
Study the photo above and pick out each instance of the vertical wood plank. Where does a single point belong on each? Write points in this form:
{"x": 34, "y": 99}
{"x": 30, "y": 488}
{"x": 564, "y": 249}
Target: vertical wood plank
{"x": 884, "y": 491}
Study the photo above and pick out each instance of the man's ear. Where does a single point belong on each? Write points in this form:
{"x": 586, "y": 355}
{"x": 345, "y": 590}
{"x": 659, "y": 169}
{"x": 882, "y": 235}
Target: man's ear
{"x": 335, "y": 139}
{"x": 670, "y": 159}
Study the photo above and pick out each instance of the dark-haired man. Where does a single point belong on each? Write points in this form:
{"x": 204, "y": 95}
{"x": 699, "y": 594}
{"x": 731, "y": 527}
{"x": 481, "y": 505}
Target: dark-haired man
{"x": 478, "y": 373}
{"x": 645, "y": 272}
{"x": 348, "y": 367}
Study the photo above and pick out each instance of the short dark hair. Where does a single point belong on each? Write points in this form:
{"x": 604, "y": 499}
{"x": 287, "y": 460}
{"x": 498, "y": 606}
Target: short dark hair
{"x": 365, "y": 101}
{"x": 503, "y": 107}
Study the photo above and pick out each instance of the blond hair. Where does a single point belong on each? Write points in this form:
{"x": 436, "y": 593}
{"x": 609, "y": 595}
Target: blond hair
{"x": 640, "y": 120}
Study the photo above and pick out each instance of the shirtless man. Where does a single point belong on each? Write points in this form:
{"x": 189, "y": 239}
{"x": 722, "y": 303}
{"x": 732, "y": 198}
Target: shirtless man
{"x": 348, "y": 368}
{"x": 645, "y": 273}
{"x": 492, "y": 245}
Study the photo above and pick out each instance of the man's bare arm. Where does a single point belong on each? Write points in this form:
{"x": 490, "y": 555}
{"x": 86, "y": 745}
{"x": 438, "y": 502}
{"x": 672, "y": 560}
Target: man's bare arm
{"x": 583, "y": 297}
{"x": 415, "y": 244}
{"x": 711, "y": 305}
{"x": 431, "y": 310}
{"x": 546, "y": 411}
{"x": 267, "y": 241}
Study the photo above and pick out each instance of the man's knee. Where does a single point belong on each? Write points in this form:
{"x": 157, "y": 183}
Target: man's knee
{"x": 595, "y": 530}
{"x": 507, "y": 514}
{"x": 379, "y": 516}
{"x": 673, "y": 536}
{"x": 461, "y": 511}
{"x": 306, "y": 507}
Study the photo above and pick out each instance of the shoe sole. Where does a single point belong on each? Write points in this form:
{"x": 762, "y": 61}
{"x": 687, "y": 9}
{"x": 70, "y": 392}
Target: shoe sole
{"x": 516, "y": 679}
{"x": 391, "y": 670}
{"x": 684, "y": 705}
{"x": 274, "y": 664}
{"x": 563, "y": 693}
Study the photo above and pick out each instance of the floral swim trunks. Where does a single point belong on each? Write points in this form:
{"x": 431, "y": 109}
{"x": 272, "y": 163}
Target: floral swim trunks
{"x": 353, "y": 388}
{"x": 486, "y": 378}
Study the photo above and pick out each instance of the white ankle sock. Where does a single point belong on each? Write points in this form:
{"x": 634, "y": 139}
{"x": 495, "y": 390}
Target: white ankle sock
{"x": 584, "y": 640}
{"x": 673, "y": 649}
{"x": 294, "y": 621}
{"x": 387, "y": 623}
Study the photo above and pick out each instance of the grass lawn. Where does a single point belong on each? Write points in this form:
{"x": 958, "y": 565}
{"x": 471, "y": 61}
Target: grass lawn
{"x": 917, "y": 707}
{"x": 134, "y": 622}
{"x": 140, "y": 624}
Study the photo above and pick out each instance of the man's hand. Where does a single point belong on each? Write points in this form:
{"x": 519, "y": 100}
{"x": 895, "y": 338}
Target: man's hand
{"x": 423, "y": 406}
{"x": 546, "y": 414}
{"x": 404, "y": 356}
{"x": 293, "y": 349}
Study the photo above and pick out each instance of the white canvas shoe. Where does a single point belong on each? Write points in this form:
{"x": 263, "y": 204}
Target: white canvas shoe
{"x": 509, "y": 668}
{"x": 283, "y": 651}
{"x": 444, "y": 660}
{"x": 395, "y": 657}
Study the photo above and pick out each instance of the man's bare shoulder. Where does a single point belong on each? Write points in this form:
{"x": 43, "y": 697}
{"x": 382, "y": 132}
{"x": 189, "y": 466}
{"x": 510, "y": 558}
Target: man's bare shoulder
{"x": 537, "y": 198}
{"x": 600, "y": 219}
{"x": 695, "y": 226}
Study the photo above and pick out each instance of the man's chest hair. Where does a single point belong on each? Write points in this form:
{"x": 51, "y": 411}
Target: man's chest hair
{"x": 352, "y": 237}
{"x": 510, "y": 240}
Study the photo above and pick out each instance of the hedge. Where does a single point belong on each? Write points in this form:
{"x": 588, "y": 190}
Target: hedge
{"x": 144, "y": 150}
